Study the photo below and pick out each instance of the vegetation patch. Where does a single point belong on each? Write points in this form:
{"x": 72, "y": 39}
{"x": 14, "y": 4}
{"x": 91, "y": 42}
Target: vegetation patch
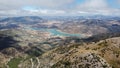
{"x": 13, "y": 63}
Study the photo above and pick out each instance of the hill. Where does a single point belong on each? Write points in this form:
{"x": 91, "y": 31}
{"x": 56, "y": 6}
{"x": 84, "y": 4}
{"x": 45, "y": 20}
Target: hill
{"x": 26, "y": 48}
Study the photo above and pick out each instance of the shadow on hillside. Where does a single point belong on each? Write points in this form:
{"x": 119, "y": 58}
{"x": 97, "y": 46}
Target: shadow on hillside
{"x": 6, "y": 41}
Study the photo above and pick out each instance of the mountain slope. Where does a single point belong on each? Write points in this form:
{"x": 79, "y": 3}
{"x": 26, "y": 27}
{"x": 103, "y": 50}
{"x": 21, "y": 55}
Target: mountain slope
{"x": 91, "y": 55}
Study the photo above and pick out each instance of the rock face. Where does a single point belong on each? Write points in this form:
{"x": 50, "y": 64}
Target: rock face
{"x": 85, "y": 60}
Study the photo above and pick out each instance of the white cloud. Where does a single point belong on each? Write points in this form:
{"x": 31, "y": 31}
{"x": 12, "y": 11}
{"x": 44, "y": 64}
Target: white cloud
{"x": 96, "y": 7}
{"x": 14, "y": 4}
{"x": 93, "y": 4}
{"x": 47, "y": 11}
{"x": 56, "y": 7}
{"x": 31, "y": 12}
{"x": 15, "y": 7}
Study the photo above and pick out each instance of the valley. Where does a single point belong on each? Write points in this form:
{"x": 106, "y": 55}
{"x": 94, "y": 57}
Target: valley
{"x": 60, "y": 42}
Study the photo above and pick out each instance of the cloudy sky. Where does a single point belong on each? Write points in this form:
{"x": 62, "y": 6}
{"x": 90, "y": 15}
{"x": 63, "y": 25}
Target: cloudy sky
{"x": 59, "y": 7}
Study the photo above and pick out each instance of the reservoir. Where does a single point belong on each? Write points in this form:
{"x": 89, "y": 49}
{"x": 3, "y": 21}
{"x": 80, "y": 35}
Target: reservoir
{"x": 56, "y": 32}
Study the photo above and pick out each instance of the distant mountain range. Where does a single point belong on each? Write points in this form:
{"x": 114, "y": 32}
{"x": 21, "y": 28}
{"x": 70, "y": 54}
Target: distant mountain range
{"x": 77, "y": 24}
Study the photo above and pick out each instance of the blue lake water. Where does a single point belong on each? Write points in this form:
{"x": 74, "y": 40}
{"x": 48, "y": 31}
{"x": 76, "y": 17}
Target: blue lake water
{"x": 56, "y": 32}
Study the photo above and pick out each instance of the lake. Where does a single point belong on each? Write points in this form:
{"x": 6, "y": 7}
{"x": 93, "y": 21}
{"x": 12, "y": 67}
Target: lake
{"x": 56, "y": 32}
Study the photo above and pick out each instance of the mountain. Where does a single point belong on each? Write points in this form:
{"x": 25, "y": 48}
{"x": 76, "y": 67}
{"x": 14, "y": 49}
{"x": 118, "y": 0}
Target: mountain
{"x": 89, "y": 25}
{"x": 60, "y": 42}
{"x": 24, "y": 19}
{"x": 26, "y": 48}
{"x": 91, "y": 55}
